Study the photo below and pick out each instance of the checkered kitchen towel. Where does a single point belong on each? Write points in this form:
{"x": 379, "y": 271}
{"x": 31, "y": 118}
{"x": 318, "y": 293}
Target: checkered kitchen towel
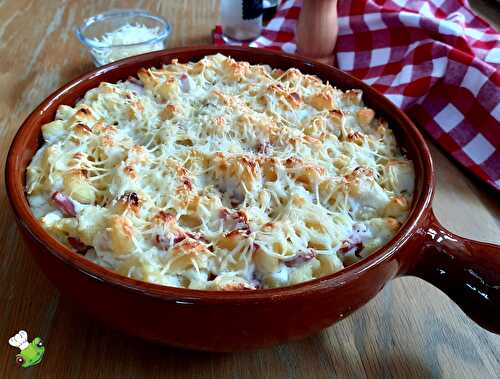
{"x": 435, "y": 59}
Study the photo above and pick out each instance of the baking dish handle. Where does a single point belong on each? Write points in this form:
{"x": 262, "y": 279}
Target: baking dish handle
{"x": 467, "y": 271}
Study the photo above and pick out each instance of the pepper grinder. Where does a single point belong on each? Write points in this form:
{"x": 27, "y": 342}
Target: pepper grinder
{"x": 317, "y": 30}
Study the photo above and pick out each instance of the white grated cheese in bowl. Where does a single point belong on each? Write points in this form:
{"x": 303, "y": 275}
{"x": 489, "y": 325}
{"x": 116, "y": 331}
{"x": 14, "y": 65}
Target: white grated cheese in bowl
{"x": 127, "y": 35}
{"x": 126, "y": 41}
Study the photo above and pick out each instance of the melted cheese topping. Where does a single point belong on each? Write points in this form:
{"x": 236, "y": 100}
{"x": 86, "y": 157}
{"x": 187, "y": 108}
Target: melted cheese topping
{"x": 220, "y": 175}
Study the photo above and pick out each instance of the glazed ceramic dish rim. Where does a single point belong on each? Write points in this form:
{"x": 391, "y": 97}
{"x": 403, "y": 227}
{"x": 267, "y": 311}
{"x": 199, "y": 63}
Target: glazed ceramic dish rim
{"x": 424, "y": 189}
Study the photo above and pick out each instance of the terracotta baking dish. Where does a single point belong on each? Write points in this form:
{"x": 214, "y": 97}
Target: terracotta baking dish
{"x": 467, "y": 271}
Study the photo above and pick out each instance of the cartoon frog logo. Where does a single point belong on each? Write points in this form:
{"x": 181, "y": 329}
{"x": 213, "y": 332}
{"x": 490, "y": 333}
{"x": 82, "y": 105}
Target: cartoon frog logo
{"x": 31, "y": 352}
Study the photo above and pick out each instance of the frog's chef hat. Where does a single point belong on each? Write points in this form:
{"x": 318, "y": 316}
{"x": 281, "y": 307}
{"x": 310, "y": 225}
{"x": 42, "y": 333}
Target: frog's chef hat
{"x": 20, "y": 340}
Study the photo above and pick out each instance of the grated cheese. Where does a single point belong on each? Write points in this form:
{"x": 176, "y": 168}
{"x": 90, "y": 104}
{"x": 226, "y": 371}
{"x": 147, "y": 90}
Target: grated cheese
{"x": 112, "y": 46}
{"x": 220, "y": 175}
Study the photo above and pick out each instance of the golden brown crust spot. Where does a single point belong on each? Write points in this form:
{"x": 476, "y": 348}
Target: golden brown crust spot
{"x": 236, "y": 70}
{"x": 397, "y": 206}
{"x": 355, "y": 137}
{"x": 393, "y": 224}
{"x": 294, "y": 99}
{"x": 163, "y": 217}
{"x": 169, "y": 112}
{"x": 365, "y": 116}
{"x": 197, "y": 68}
{"x": 122, "y": 234}
{"x": 81, "y": 129}
{"x": 130, "y": 171}
{"x": 147, "y": 78}
{"x": 353, "y": 96}
{"x": 357, "y": 173}
{"x": 130, "y": 200}
{"x": 321, "y": 100}
{"x": 190, "y": 247}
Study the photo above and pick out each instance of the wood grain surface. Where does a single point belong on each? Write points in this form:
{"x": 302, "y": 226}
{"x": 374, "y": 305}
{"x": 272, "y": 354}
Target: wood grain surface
{"x": 410, "y": 330}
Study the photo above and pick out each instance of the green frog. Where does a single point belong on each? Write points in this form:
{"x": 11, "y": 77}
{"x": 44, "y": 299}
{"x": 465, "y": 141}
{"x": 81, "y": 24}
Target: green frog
{"x": 31, "y": 353}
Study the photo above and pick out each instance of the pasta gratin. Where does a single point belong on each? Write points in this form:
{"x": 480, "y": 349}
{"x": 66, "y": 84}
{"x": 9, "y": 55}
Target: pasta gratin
{"x": 220, "y": 175}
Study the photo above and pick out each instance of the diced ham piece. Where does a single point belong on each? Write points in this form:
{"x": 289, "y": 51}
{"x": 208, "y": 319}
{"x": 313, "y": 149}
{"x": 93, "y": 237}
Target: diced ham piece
{"x": 167, "y": 241}
{"x": 64, "y": 204}
{"x": 295, "y": 95}
{"x": 163, "y": 242}
{"x": 135, "y": 81}
{"x": 355, "y": 240}
{"x": 136, "y": 85}
{"x": 264, "y": 147}
{"x": 130, "y": 198}
{"x": 256, "y": 283}
{"x": 197, "y": 236}
{"x": 241, "y": 221}
{"x": 78, "y": 245}
{"x": 234, "y": 221}
{"x": 348, "y": 246}
{"x": 301, "y": 258}
{"x": 185, "y": 84}
{"x": 224, "y": 213}
{"x": 179, "y": 239}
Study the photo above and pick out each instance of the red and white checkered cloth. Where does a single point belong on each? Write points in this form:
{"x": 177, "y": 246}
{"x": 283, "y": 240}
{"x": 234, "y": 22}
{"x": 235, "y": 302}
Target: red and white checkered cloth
{"x": 435, "y": 59}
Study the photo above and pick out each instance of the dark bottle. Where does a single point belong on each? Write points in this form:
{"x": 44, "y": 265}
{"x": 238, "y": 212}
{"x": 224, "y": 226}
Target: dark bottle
{"x": 270, "y": 7}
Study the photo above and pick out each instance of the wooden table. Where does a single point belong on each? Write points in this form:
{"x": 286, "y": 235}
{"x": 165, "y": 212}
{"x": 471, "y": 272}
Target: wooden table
{"x": 411, "y": 329}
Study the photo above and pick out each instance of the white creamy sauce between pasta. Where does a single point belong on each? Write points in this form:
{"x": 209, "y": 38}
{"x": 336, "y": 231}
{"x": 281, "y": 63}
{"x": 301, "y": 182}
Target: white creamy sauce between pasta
{"x": 220, "y": 175}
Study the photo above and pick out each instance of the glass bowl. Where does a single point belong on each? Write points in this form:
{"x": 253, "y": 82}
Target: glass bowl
{"x": 93, "y": 34}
